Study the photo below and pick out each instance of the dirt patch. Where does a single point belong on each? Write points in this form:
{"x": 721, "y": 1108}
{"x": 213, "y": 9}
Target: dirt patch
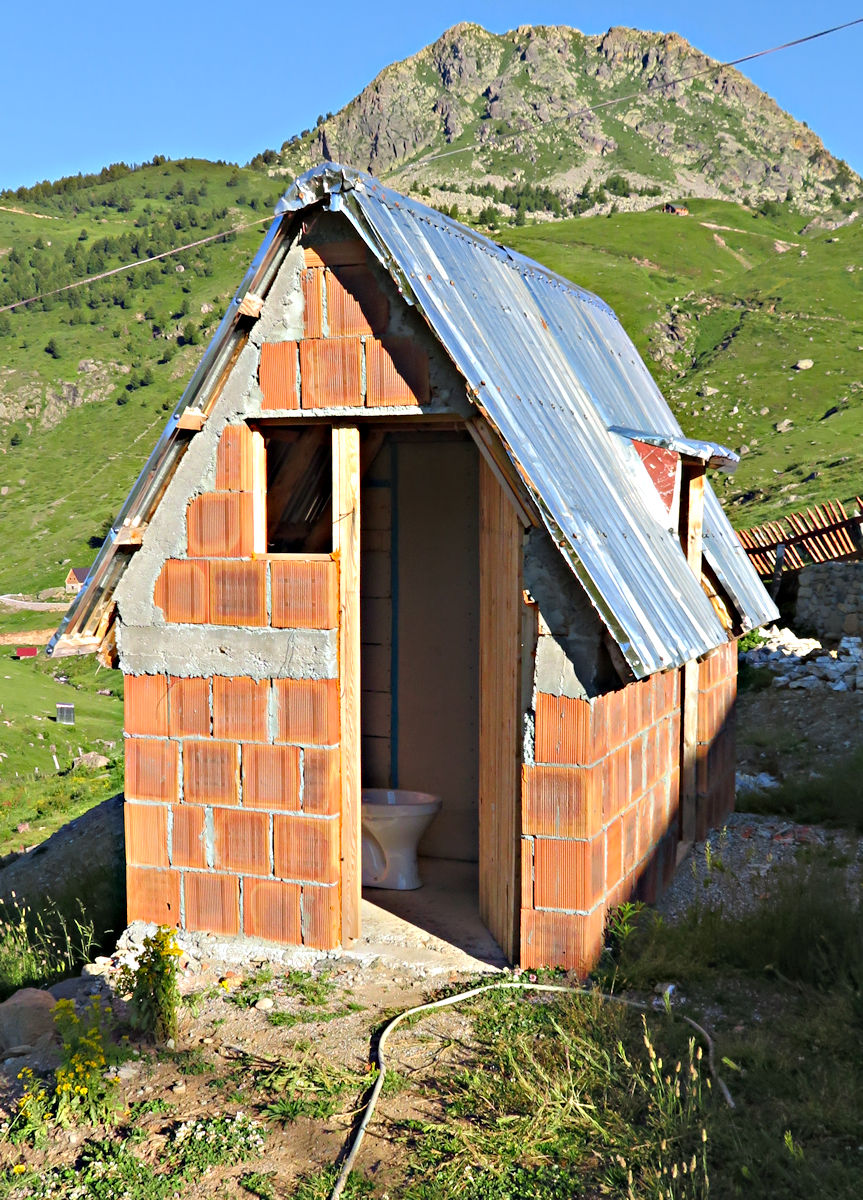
{"x": 28, "y": 637}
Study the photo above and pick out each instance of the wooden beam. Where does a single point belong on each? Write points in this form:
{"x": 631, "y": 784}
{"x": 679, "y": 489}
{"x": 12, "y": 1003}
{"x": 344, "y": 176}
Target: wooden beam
{"x": 500, "y": 592}
{"x": 192, "y": 420}
{"x": 496, "y": 459}
{"x": 250, "y": 305}
{"x": 370, "y": 444}
{"x": 346, "y": 548}
{"x": 691, "y": 539}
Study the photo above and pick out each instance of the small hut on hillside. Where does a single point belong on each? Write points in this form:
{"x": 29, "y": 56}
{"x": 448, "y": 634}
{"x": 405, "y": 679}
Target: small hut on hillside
{"x": 422, "y": 519}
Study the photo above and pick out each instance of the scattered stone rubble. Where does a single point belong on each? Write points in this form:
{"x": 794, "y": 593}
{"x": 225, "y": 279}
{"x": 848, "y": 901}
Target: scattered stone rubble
{"x": 803, "y": 663}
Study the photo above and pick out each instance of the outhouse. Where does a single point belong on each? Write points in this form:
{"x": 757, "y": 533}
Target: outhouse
{"x": 421, "y": 520}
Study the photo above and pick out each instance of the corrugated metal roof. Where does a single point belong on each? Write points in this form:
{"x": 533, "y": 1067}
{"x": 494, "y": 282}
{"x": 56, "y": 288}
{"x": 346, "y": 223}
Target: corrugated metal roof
{"x": 553, "y": 370}
{"x": 550, "y": 366}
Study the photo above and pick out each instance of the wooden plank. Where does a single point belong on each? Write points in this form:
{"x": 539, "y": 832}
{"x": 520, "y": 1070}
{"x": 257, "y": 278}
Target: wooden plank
{"x": 346, "y": 548}
{"x": 192, "y": 420}
{"x": 499, "y": 726}
{"x": 495, "y": 458}
{"x": 691, "y": 527}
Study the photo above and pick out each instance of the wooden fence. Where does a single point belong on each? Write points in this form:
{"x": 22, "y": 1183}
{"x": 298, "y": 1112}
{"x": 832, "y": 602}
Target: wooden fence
{"x": 822, "y": 534}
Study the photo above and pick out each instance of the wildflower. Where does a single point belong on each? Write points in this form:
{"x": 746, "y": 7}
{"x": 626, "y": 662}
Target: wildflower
{"x": 19, "y": 1169}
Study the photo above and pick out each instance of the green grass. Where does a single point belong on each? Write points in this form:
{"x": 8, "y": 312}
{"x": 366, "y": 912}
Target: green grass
{"x": 32, "y": 789}
{"x": 832, "y": 799}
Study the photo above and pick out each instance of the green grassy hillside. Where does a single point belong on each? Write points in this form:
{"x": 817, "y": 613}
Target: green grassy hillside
{"x": 722, "y": 304}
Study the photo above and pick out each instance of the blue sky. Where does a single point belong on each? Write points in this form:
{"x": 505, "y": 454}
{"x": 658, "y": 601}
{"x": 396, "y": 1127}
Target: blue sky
{"x": 93, "y": 83}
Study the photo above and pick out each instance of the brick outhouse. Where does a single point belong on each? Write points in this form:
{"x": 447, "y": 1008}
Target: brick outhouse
{"x": 421, "y": 519}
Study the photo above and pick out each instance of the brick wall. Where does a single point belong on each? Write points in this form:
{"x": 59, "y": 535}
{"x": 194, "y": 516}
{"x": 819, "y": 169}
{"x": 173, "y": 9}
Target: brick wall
{"x": 346, "y": 358}
{"x": 715, "y": 758}
{"x": 599, "y": 815}
{"x": 232, "y": 783}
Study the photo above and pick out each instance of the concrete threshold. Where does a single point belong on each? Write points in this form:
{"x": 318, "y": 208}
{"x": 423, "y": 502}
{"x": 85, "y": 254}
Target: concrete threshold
{"x": 436, "y": 928}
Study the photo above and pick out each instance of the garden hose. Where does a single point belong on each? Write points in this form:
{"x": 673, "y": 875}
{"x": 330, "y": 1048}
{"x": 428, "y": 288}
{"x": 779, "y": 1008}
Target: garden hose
{"x": 513, "y": 985}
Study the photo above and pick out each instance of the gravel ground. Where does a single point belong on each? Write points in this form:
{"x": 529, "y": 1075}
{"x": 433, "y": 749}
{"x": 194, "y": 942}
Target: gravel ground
{"x": 738, "y": 864}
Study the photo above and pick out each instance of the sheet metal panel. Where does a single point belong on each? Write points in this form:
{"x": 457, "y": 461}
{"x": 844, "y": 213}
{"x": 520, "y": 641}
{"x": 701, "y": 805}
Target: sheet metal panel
{"x": 551, "y": 366}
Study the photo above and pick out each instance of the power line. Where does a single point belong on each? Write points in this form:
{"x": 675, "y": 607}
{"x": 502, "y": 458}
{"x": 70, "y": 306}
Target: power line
{"x": 811, "y": 37}
{"x": 139, "y": 262}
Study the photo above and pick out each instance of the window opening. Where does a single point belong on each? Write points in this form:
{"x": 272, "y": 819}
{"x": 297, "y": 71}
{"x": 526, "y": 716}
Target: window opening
{"x": 299, "y": 490}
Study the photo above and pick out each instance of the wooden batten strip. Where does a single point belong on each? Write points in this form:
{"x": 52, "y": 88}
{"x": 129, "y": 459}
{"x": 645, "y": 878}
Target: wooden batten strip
{"x": 346, "y": 548}
{"x": 499, "y": 677}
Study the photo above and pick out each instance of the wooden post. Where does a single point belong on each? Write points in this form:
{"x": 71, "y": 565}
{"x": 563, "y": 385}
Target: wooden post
{"x": 500, "y": 534}
{"x": 691, "y": 532}
{"x": 346, "y": 547}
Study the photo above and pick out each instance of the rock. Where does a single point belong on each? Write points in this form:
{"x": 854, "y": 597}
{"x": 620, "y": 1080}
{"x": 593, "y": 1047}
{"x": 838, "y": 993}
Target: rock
{"x": 179, "y": 1088}
{"x": 26, "y": 1019}
{"x": 92, "y": 761}
{"x": 803, "y": 364}
{"x": 71, "y": 989}
{"x": 784, "y": 426}
{"x": 264, "y": 1004}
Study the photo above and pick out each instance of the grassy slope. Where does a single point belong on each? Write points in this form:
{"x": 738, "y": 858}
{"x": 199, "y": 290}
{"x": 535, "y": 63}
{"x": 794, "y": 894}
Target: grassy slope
{"x": 746, "y": 323}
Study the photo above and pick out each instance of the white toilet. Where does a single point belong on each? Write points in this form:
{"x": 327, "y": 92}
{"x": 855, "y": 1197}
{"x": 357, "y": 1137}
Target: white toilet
{"x": 393, "y": 822}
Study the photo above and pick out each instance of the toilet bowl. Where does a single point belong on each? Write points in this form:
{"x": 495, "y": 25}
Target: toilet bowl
{"x": 393, "y": 822}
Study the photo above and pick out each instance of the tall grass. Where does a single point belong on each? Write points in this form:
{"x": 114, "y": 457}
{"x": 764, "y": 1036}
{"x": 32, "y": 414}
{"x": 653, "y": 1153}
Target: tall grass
{"x": 834, "y": 799}
{"x": 38, "y": 948}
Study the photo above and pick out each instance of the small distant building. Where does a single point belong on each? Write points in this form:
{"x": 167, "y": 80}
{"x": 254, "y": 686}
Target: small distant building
{"x": 75, "y": 579}
{"x": 676, "y": 210}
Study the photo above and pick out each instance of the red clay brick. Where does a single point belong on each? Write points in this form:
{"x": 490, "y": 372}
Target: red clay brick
{"x": 570, "y": 940}
{"x": 242, "y": 840}
{"x": 221, "y": 525}
{"x": 277, "y": 374}
{"x": 527, "y": 900}
{"x": 397, "y": 372}
{"x": 306, "y": 848}
{"x": 613, "y": 853}
{"x": 331, "y": 373}
{"x": 632, "y": 692}
{"x": 321, "y": 919}
{"x": 349, "y": 252}
{"x": 313, "y": 302}
{"x": 321, "y": 780}
{"x": 636, "y": 766}
{"x": 238, "y": 593}
{"x": 188, "y": 707}
{"x": 563, "y": 730}
{"x": 212, "y": 902}
{"x": 146, "y": 705}
{"x": 151, "y": 769}
{"x": 152, "y": 895}
{"x": 146, "y": 828}
{"x": 355, "y": 302}
{"x": 182, "y": 591}
{"x": 305, "y": 595}
{"x": 235, "y": 459}
{"x": 187, "y": 836}
{"x": 308, "y": 711}
{"x": 616, "y": 793}
{"x": 271, "y": 777}
{"x": 240, "y": 708}
{"x": 210, "y": 772}
{"x": 629, "y": 839}
{"x": 271, "y": 910}
{"x": 562, "y": 801}
{"x": 568, "y": 874}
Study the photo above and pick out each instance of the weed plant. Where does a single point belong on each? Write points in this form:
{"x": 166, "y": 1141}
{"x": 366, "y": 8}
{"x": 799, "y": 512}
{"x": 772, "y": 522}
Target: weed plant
{"x": 153, "y": 984}
{"x": 38, "y": 948}
{"x": 84, "y": 1089}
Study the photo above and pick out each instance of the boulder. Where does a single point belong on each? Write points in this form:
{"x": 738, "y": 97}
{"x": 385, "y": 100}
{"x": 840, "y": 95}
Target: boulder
{"x": 26, "y": 1021}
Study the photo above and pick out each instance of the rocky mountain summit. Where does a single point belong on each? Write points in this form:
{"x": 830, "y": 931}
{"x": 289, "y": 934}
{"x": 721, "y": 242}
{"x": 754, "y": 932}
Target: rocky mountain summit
{"x": 549, "y": 105}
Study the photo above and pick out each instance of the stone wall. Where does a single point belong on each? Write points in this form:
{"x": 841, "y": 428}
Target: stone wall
{"x": 830, "y": 599}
